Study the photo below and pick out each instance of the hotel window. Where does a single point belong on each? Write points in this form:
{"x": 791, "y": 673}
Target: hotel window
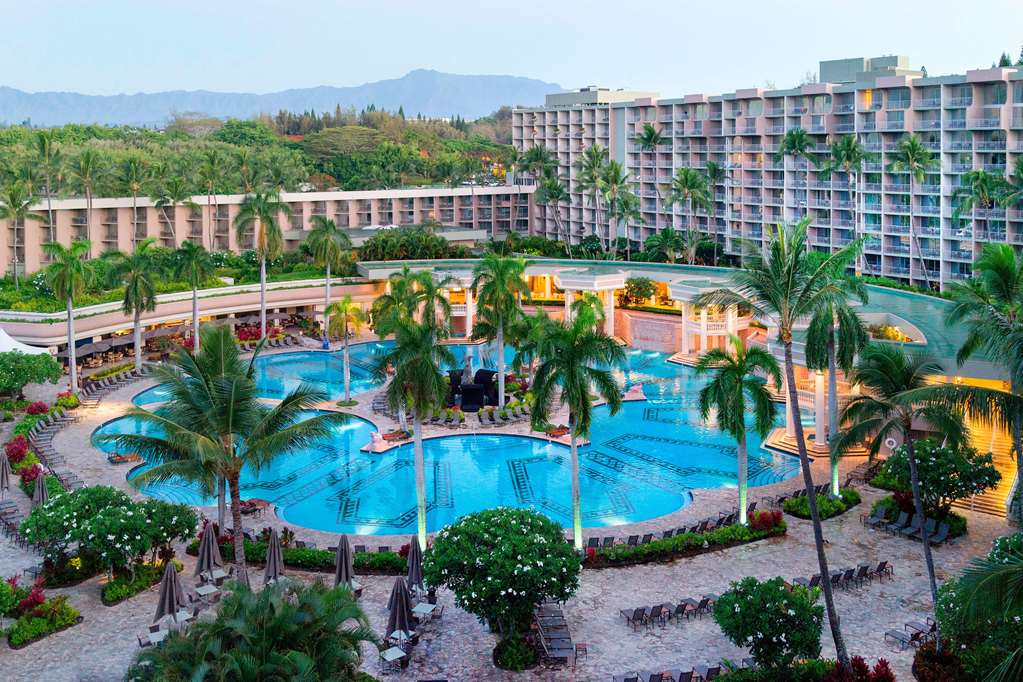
{"x": 868, "y": 99}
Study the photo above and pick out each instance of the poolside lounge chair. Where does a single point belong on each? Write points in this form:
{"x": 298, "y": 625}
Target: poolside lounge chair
{"x": 609, "y": 541}
{"x": 633, "y": 540}
{"x": 647, "y": 539}
{"x": 634, "y": 617}
{"x": 883, "y": 569}
{"x": 897, "y": 524}
{"x": 707, "y": 673}
{"x": 593, "y": 543}
{"x": 876, "y": 518}
{"x": 940, "y": 536}
{"x": 861, "y": 574}
{"x": 697, "y": 608}
{"x": 930, "y": 527}
{"x": 657, "y": 613}
{"x": 667, "y": 534}
{"x": 904, "y": 640}
{"x": 914, "y": 526}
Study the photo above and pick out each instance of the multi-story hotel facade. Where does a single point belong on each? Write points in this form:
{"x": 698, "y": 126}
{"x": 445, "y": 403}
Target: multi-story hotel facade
{"x": 466, "y": 215}
{"x": 968, "y": 122}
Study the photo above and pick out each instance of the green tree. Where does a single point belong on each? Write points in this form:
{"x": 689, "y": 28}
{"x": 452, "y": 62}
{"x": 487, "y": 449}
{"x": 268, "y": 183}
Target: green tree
{"x": 211, "y": 172}
{"x": 134, "y": 175}
{"x": 194, "y": 265}
{"x": 329, "y": 245}
{"x": 736, "y": 389}
{"x": 782, "y": 283}
{"x": 848, "y": 156}
{"x": 419, "y": 384}
{"x": 911, "y": 156}
{"x": 50, "y": 161}
{"x": 137, "y": 272}
{"x": 18, "y": 369}
{"x": 261, "y": 213}
{"x": 574, "y": 362}
{"x": 589, "y": 169}
{"x": 346, "y": 318}
{"x": 87, "y": 169}
{"x": 689, "y": 188}
{"x": 639, "y": 289}
{"x": 69, "y": 275}
{"x": 589, "y": 306}
{"x": 1012, "y": 194}
{"x": 896, "y": 395}
{"x": 614, "y": 182}
{"x": 213, "y": 423}
{"x": 977, "y": 193}
{"x": 797, "y": 144}
{"x": 167, "y": 197}
{"x": 286, "y": 631}
{"x": 16, "y": 208}
{"x": 716, "y": 175}
{"x": 499, "y": 283}
{"x": 668, "y": 244}
{"x": 551, "y": 192}
{"x": 538, "y": 159}
{"x": 626, "y": 211}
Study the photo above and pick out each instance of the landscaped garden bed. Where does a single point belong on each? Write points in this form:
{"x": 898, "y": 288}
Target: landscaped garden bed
{"x": 827, "y": 506}
{"x": 122, "y": 587}
{"x": 36, "y": 617}
{"x": 319, "y": 560}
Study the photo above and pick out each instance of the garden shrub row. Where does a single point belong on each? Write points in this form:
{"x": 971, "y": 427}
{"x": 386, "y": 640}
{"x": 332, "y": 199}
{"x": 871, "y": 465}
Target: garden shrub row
{"x": 762, "y": 525}
{"x": 35, "y": 616}
{"x": 827, "y": 506}
{"x": 123, "y": 587}
{"x": 900, "y": 501}
{"x": 378, "y": 563}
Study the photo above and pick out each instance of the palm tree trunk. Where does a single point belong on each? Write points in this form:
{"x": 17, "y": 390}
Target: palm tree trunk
{"x": 913, "y": 241}
{"x": 49, "y": 208}
{"x": 262, "y": 297}
{"x": 832, "y": 410}
{"x": 743, "y": 467}
{"x": 417, "y": 448}
{"x": 500, "y": 363}
{"x": 577, "y": 513}
{"x": 209, "y": 212}
{"x": 918, "y": 509}
{"x": 326, "y": 304}
{"x": 137, "y": 337}
{"x": 195, "y": 319}
{"x": 221, "y": 503}
{"x": 236, "y": 522}
{"x": 88, "y": 220}
{"x": 347, "y": 368}
{"x": 815, "y": 519}
{"x": 24, "y": 223}
{"x": 71, "y": 356}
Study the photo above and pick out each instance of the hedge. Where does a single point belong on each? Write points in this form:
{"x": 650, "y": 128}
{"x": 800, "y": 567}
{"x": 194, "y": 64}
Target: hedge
{"x": 827, "y": 507}
{"x": 957, "y": 525}
{"x": 122, "y": 588}
{"x": 53, "y": 616}
{"x": 379, "y": 563}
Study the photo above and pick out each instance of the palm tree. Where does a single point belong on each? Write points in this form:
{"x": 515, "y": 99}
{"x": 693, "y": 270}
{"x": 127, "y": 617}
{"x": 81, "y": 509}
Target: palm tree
{"x": 613, "y": 183}
{"x": 286, "y": 631}
{"x": 136, "y": 271}
{"x": 551, "y": 192}
{"x": 589, "y": 306}
{"x": 715, "y": 176}
{"x": 194, "y": 265}
{"x": 1013, "y": 190}
{"x": 848, "y": 156}
{"x": 329, "y": 245}
{"x": 87, "y": 169}
{"x": 834, "y": 338}
{"x": 499, "y": 283}
{"x": 735, "y": 389}
{"x": 897, "y": 394}
{"x": 589, "y": 169}
{"x": 913, "y": 157}
{"x": 211, "y": 170}
{"x": 666, "y": 243}
{"x": 528, "y": 334}
{"x": 69, "y": 275}
{"x": 399, "y": 304}
{"x": 780, "y": 283}
{"x": 49, "y": 161}
{"x": 431, "y": 302}
{"x": 574, "y": 362}
{"x": 648, "y": 140}
{"x": 419, "y": 384}
{"x": 346, "y": 317}
{"x": 626, "y": 211}
{"x": 16, "y": 208}
{"x": 248, "y": 169}
{"x": 167, "y": 197}
{"x": 134, "y": 175}
{"x": 689, "y": 188}
{"x": 214, "y": 424}
{"x": 538, "y": 159}
{"x": 797, "y": 144}
{"x": 261, "y": 213}
{"x": 990, "y": 589}
{"x": 978, "y": 191}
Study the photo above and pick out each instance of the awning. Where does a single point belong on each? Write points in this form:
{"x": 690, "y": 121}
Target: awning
{"x": 7, "y": 344}
{"x": 122, "y": 340}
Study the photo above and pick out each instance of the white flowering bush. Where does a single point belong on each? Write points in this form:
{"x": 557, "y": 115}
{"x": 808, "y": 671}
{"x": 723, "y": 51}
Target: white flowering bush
{"x": 64, "y": 520}
{"x": 778, "y": 626}
{"x": 946, "y": 474}
{"x": 501, "y": 563}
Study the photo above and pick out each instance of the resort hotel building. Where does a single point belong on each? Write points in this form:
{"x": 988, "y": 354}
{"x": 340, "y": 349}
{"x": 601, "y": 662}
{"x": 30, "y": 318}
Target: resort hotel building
{"x": 968, "y": 122}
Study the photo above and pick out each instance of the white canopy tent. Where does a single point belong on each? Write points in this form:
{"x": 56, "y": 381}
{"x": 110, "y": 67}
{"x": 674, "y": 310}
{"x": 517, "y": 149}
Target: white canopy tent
{"x": 7, "y": 344}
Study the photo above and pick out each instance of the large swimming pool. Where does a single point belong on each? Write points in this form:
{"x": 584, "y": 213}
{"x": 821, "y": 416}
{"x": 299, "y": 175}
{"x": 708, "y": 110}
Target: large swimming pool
{"x": 642, "y": 463}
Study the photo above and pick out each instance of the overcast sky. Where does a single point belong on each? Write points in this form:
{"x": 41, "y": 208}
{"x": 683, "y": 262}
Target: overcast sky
{"x": 671, "y": 46}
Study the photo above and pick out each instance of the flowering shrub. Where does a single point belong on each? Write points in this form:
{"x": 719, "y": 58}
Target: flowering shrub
{"x": 33, "y": 599}
{"x": 501, "y": 563}
{"x": 777, "y": 625}
{"x": 30, "y": 473}
{"x": 765, "y": 520}
{"x": 16, "y": 449}
{"x": 47, "y": 618}
{"x": 67, "y": 400}
{"x": 827, "y": 506}
{"x": 861, "y": 672}
{"x": 38, "y": 407}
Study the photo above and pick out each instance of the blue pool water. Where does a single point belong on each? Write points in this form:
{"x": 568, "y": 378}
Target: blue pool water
{"x": 642, "y": 463}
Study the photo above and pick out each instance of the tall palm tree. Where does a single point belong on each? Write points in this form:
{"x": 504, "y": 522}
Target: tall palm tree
{"x": 590, "y": 307}
{"x": 397, "y": 305}
{"x": 991, "y": 591}
{"x": 248, "y": 169}
{"x": 168, "y": 196}
{"x": 528, "y": 334}
{"x": 49, "y": 161}
{"x": 848, "y": 156}
{"x": 432, "y": 304}
{"x": 978, "y": 191}
{"x": 716, "y": 175}
{"x": 689, "y": 188}
{"x": 69, "y": 275}
{"x": 499, "y": 283}
{"x": 1013, "y": 191}
{"x": 214, "y": 424}
{"x": 589, "y": 169}
{"x": 613, "y": 183}
{"x": 574, "y": 363}
{"x": 346, "y": 318}
{"x": 16, "y": 208}
{"x": 136, "y": 271}
{"x": 134, "y": 175}
{"x": 780, "y": 283}
{"x": 87, "y": 168}
{"x": 735, "y": 390}
{"x": 538, "y": 159}
{"x": 913, "y": 157}
{"x": 261, "y": 212}
{"x": 667, "y": 243}
{"x": 626, "y": 211}
{"x": 551, "y": 192}
{"x": 648, "y": 140}
{"x": 797, "y": 144}
{"x": 194, "y": 265}
{"x": 897, "y": 394}
{"x": 418, "y": 384}
{"x": 211, "y": 171}
{"x": 834, "y": 338}
{"x": 329, "y": 245}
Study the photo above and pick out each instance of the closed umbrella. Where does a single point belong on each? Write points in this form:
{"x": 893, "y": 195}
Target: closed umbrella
{"x": 209, "y": 552}
{"x": 344, "y": 569}
{"x": 5, "y": 476}
{"x": 415, "y": 565}
{"x": 274, "y": 559}
{"x": 172, "y": 597}
{"x": 41, "y": 494}
{"x": 242, "y": 576}
{"x": 400, "y": 606}
{"x": 467, "y": 371}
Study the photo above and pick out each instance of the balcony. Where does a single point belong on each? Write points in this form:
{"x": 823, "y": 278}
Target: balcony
{"x": 895, "y": 124}
{"x": 929, "y": 210}
{"x": 991, "y": 146}
{"x": 961, "y": 146}
{"x": 928, "y": 103}
{"x": 797, "y": 111}
{"x": 843, "y": 108}
{"x": 931, "y": 124}
{"x": 955, "y": 124}
{"x": 844, "y": 127}
{"x": 959, "y": 102}
{"x": 960, "y": 254}
{"x": 897, "y": 248}
{"x": 985, "y": 122}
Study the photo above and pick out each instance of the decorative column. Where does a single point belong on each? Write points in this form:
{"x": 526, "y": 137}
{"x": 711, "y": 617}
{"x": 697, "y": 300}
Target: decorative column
{"x": 569, "y": 299}
{"x": 609, "y": 312}
{"x": 731, "y": 313}
{"x": 470, "y": 311}
{"x": 703, "y": 330}
{"x": 685, "y": 328}
{"x": 547, "y": 287}
{"x": 820, "y": 408}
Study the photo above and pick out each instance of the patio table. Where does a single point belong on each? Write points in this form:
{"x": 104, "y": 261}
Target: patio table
{"x": 157, "y": 637}
{"x": 423, "y": 609}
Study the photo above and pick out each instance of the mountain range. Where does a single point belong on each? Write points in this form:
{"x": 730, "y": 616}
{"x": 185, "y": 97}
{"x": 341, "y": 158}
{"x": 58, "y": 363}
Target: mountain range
{"x": 422, "y": 91}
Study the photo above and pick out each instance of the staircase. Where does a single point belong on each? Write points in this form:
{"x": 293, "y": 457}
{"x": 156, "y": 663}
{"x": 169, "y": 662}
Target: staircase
{"x": 996, "y": 500}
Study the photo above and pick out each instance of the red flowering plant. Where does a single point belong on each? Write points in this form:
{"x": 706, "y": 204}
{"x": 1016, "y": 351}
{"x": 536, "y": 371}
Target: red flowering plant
{"x": 30, "y": 474}
{"x": 765, "y": 520}
{"x": 861, "y": 672}
{"x": 34, "y": 599}
{"x": 16, "y": 449}
{"x": 38, "y": 407}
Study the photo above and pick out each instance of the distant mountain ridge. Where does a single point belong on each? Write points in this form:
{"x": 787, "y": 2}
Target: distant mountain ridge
{"x": 422, "y": 91}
